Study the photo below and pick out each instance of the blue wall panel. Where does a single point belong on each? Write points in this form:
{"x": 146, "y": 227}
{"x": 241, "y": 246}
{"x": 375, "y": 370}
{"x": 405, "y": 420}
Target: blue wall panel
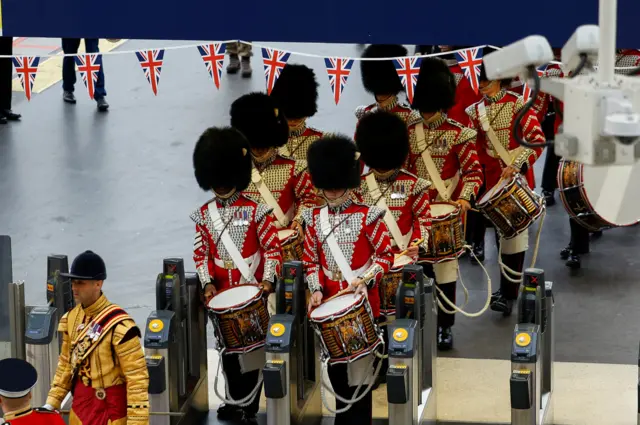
{"x": 326, "y": 21}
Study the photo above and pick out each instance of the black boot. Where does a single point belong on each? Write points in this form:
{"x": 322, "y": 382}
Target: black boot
{"x": 228, "y": 412}
{"x": 573, "y": 262}
{"x": 478, "y": 251}
{"x": 566, "y": 252}
{"x": 446, "y": 320}
{"x": 508, "y": 292}
{"x": 549, "y": 199}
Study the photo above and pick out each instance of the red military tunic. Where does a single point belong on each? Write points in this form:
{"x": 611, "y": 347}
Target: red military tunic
{"x": 465, "y": 95}
{"x": 290, "y": 184}
{"x": 300, "y": 139}
{"x": 252, "y": 231}
{"x": 627, "y": 58}
{"x": 501, "y": 113}
{"x": 33, "y": 417}
{"x": 363, "y": 238}
{"x": 452, "y": 147}
{"x": 407, "y": 198}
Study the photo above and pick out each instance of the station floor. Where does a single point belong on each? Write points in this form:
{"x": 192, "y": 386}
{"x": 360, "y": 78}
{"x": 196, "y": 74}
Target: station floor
{"x": 121, "y": 183}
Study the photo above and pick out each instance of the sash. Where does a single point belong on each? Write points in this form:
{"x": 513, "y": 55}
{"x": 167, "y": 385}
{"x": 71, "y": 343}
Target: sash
{"x": 336, "y": 252}
{"x": 401, "y": 241}
{"x": 231, "y": 247}
{"x": 266, "y": 194}
{"x": 91, "y": 335}
{"x": 503, "y": 153}
{"x": 444, "y": 191}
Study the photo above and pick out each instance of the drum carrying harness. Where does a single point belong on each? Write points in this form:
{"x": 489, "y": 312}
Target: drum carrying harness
{"x": 444, "y": 191}
{"x": 268, "y": 197}
{"x": 401, "y": 240}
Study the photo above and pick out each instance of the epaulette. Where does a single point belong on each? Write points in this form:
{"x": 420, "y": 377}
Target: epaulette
{"x": 373, "y": 214}
{"x": 315, "y": 130}
{"x": 196, "y": 216}
{"x": 123, "y": 328}
{"x": 466, "y": 135}
{"x": 361, "y": 111}
{"x": 262, "y": 210}
{"x": 471, "y": 110}
{"x": 300, "y": 167}
{"x": 413, "y": 118}
{"x": 408, "y": 173}
{"x": 40, "y": 410}
{"x": 421, "y": 185}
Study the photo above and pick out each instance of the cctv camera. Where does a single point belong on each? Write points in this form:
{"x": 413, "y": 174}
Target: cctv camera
{"x": 514, "y": 59}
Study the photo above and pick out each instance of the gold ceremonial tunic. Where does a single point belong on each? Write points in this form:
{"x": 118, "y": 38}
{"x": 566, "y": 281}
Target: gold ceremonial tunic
{"x": 116, "y": 360}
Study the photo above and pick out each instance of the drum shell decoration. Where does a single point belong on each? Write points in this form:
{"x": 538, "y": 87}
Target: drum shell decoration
{"x": 242, "y": 328}
{"x": 446, "y": 237}
{"x": 513, "y": 208}
{"x": 291, "y": 244}
{"x": 389, "y": 288}
{"x": 355, "y": 321}
{"x": 575, "y": 199}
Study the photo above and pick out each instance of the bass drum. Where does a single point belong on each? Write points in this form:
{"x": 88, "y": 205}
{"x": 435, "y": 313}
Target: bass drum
{"x": 600, "y": 197}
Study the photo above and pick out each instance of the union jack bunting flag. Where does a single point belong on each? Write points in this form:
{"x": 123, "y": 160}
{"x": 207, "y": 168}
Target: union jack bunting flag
{"x": 27, "y": 67}
{"x": 408, "y": 69}
{"x": 151, "y": 62}
{"x": 274, "y": 61}
{"x": 526, "y": 90}
{"x": 339, "y": 70}
{"x": 213, "y": 57}
{"x": 470, "y": 61}
{"x": 89, "y": 66}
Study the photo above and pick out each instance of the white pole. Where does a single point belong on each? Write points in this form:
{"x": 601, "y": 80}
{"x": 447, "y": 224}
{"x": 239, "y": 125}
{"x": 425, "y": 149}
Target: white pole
{"x": 607, "y": 50}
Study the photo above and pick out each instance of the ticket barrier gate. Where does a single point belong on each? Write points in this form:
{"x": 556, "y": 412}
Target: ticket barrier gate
{"x": 533, "y": 352}
{"x": 34, "y": 329}
{"x": 411, "y": 377}
{"x": 292, "y": 370}
{"x": 175, "y": 343}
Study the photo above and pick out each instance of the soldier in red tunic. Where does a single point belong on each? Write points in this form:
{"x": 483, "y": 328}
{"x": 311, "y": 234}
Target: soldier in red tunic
{"x": 443, "y": 151}
{"x": 464, "y": 93}
{"x": 383, "y": 143}
{"x": 349, "y": 230}
{"x": 296, "y": 93}
{"x": 17, "y": 379}
{"x": 235, "y": 242}
{"x": 497, "y": 112}
{"x": 380, "y": 78}
{"x": 280, "y": 182}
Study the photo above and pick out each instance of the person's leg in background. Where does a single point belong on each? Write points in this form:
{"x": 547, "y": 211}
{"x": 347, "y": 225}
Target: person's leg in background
{"x": 6, "y": 72}
{"x": 69, "y": 47}
{"x": 578, "y": 245}
{"x": 239, "y": 58}
{"x": 92, "y": 45}
{"x": 552, "y": 161}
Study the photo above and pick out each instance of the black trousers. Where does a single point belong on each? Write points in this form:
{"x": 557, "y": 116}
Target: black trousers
{"x": 6, "y": 71}
{"x": 579, "y": 238}
{"x": 241, "y": 384}
{"x": 445, "y": 320}
{"x": 550, "y": 170}
{"x": 361, "y": 413}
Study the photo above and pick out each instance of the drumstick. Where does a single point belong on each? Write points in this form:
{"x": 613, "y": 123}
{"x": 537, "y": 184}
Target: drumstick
{"x": 418, "y": 242}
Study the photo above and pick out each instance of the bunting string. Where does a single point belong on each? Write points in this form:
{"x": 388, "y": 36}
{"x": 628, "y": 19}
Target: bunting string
{"x": 274, "y": 60}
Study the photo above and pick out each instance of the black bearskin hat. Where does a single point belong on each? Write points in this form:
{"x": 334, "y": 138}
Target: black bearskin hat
{"x": 381, "y": 77}
{"x": 256, "y": 115}
{"x": 333, "y": 163}
{"x": 296, "y": 92}
{"x": 221, "y": 159}
{"x": 383, "y": 141}
{"x": 436, "y": 87}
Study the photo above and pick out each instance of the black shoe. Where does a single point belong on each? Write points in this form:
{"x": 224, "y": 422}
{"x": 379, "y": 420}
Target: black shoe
{"x": 228, "y": 412}
{"x": 445, "y": 339}
{"x": 496, "y": 296}
{"x": 573, "y": 262}
{"x": 597, "y": 234}
{"x": 69, "y": 97}
{"x": 249, "y": 419}
{"x": 565, "y": 253}
{"x": 102, "y": 104}
{"x": 502, "y": 305}
{"x": 478, "y": 250}
{"x": 3, "y": 120}
{"x": 9, "y": 115}
{"x": 549, "y": 198}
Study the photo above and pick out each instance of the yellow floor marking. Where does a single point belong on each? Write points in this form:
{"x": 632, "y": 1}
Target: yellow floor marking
{"x": 50, "y": 71}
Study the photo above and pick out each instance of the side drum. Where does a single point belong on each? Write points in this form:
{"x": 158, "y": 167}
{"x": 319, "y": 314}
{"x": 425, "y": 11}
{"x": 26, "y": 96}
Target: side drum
{"x": 446, "y": 238}
{"x": 291, "y": 245}
{"x": 389, "y": 285}
{"x": 511, "y": 206}
{"x": 241, "y": 318}
{"x": 346, "y": 328}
